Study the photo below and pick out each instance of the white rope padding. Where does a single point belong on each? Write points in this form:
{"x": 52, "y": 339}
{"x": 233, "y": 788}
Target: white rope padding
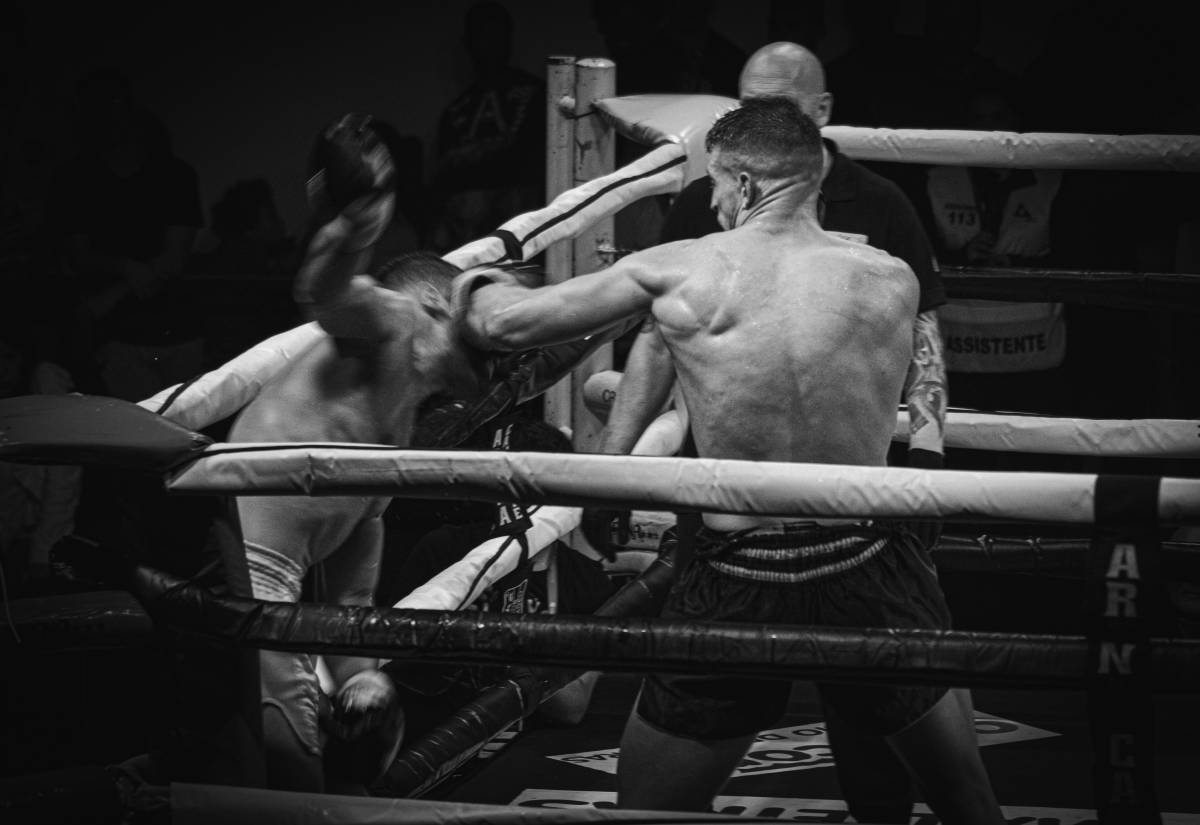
{"x": 221, "y": 392}
{"x": 652, "y": 119}
{"x": 452, "y": 587}
{"x": 571, "y": 213}
{"x": 966, "y": 429}
{"x": 647, "y": 483}
{"x": 1147, "y": 437}
{"x": 449, "y": 588}
{"x": 1019, "y": 150}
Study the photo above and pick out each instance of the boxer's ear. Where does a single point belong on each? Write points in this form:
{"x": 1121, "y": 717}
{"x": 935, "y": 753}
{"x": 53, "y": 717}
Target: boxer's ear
{"x": 435, "y": 303}
{"x": 748, "y": 191}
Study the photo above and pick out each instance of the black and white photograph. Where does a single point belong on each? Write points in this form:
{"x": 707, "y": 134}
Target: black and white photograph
{"x": 600, "y": 412}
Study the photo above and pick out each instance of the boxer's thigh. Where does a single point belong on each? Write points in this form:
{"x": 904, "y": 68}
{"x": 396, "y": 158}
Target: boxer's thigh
{"x": 305, "y": 529}
{"x": 276, "y": 522}
{"x": 351, "y": 573}
{"x": 896, "y": 588}
{"x": 717, "y": 707}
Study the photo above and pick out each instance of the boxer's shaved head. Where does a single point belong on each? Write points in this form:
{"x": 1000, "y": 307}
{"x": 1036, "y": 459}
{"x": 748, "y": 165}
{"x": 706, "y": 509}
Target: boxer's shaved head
{"x": 413, "y": 271}
{"x": 784, "y": 69}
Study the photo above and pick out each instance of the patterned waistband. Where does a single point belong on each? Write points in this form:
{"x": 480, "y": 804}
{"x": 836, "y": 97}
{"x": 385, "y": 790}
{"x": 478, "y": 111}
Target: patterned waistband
{"x": 792, "y": 552}
{"x": 273, "y": 576}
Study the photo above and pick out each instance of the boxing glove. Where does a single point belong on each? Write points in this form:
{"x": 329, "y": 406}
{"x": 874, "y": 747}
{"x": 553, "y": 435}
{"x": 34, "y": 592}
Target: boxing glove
{"x": 351, "y": 173}
{"x": 517, "y": 378}
{"x": 605, "y": 530}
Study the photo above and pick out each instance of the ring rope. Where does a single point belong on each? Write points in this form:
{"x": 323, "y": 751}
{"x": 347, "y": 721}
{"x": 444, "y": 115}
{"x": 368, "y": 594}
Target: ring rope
{"x": 1020, "y": 150}
{"x": 1174, "y": 292}
{"x": 464, "y": 581}
{"x": 975, "y": 430}
{"x": 652, "y": 119}
{"x": 986, "y": 553}
{"x": 650, "y": 482}
{"x": 638, "y": 644}
{"x": 573, "y": 211}
{"x": 1158, "y": 438}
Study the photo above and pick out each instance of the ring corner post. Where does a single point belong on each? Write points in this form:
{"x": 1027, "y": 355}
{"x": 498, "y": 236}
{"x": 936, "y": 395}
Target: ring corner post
{"x": 560, "y": 177}
{"x": 595, "y": 156}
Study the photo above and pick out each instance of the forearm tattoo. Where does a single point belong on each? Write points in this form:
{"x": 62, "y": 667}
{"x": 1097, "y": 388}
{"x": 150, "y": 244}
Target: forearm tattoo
{"x": 925, "y": 388}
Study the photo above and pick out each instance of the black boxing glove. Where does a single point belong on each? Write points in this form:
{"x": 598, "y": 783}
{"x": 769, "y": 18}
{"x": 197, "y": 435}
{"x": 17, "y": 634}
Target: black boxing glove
{"x": 365, "y": 703}
{"x": 351, "y": 173}
{"x": 517, "y": 378}
{"x": 928, "y": 531}
{"x": 605, "y": 530}
{"x": 365, "y": 723}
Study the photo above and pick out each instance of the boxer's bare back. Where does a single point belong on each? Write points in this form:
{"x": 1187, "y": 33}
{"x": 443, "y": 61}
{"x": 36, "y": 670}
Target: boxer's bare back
{"x": 789, "y": 348}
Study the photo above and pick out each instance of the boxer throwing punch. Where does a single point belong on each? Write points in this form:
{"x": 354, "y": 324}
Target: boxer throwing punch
{"x": 790, "y": 344}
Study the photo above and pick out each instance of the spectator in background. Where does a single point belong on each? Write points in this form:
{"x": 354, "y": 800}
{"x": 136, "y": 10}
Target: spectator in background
{"x": 251, "y": 239}
{"x": 1123, "y": 220}
{"x": 889, "y": 79}
{"x": 1004, "y": 355}
{"x": 490, "y": 160}
{"x": 251, "y": 251}
{"x": 37, "y": 502}
{"x": 128, "y": 214}
{"x": 34, "y": 292}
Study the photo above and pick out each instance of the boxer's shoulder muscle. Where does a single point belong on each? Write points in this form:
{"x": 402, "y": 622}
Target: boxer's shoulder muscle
{"x": 867, "y": 276}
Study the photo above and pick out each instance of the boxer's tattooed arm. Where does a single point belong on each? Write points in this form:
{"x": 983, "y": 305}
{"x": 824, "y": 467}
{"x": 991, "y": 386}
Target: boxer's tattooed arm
{"x": 925, "y": 387}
